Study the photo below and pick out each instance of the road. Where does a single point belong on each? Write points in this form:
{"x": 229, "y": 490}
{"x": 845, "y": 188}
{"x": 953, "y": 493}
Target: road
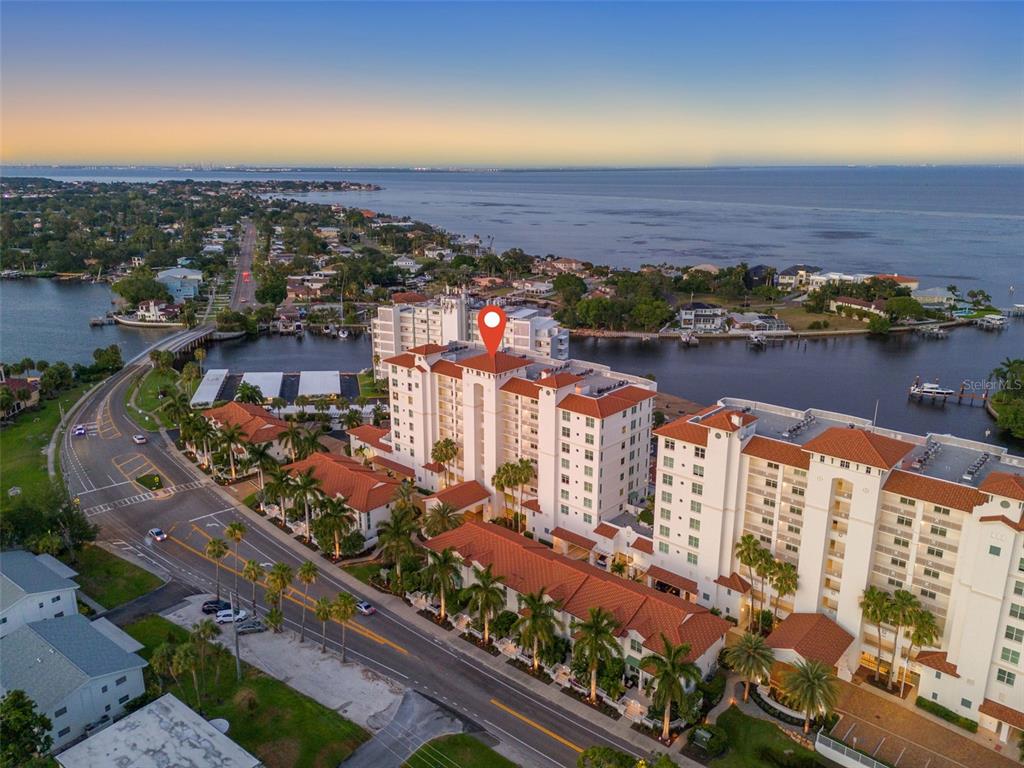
{"x": 244, "y": 293}
{"x": 100, "y": 469}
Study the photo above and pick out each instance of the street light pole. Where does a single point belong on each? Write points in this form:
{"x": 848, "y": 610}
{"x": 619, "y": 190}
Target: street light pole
{"x": 234, "y": 626}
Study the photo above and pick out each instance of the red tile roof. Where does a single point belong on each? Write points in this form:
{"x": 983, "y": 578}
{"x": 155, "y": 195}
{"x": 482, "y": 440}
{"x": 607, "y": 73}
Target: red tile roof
{"x": 527, "y": 565}
{"x": 724, "y": 419}
{"x": 428, "y": 349}
{"x": 735, "y": 582}
{"x": 572, "y": 537}
{"x": 364, "y": 489}
{"x": 434, "y": 466}
{"x": 447, "y": 368}
{"x": 607, "y": 530}
{"x": 940, "y": 492}
{"x": 405, "y": 360}
{"x": 684, "y": 430}
{"x": 813, "y": 636}
{"x": 609, "y": 404}
{"x": 1004, "y": 484}
{"x": 393, "y": 466}
{"x": 532, "y": 504}
{"x": 409, "y": 297}
{"x": 502, "y": 362}
{"x": 643, "y": 544}
{"x": 937, "y": 660}
{"x": 1014, "y": 526}
{"x": 371, "y": 435}
{"x": 674, "y": 579}
{"x": 777, "y": 451}
{"x": 896, "y": 278}
{"x": 557, "y": 380}
{"x": 1002, "y": 713}
{"x": 256, "y": 424}
{"x": 462, "y": 495}
{"x": 860, "y": 447}
{"x": 521, "y": 387}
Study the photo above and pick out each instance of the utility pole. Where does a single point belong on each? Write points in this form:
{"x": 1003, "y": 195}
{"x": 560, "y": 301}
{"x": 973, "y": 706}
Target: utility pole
{"x": 234, "y": 627}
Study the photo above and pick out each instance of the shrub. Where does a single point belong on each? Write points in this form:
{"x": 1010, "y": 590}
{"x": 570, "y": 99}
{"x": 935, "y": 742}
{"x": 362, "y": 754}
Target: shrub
{"x": 502, "y": 624}
{"x": 556, "y": 652}
{"x": 713, "y": 739}
{"x": 713, "y": 689}
{"x": 947, "y": 714}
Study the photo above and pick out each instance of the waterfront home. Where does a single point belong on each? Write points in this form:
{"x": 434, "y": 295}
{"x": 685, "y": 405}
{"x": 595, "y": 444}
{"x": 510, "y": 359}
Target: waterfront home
{"x": 756, "y": 322}
{"x": 33, "y": 588}
{"x": 25, "y": 392}
{"x": 156, "y": 312}
{"x": 534, "y": 287}
{"x": 934, "y": 298}
{"x": 796, "y": 277}
{"x": 904, "y": 281}
{"x": 560, "y": 266}
{"x": 859, "y": 307}
{"x": 79, "y": 674}
{"x": 438, "y": 252}
{"x": 701, "y": 317}
{"x": 181, "y": 283}
{"x": 761, "y": 274}
{"x": 821, "y": 279}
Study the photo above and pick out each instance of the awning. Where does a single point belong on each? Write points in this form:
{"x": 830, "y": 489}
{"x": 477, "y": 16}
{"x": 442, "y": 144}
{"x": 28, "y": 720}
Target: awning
{"x": 672, "y": 579}
{"x": 573, "y": 538}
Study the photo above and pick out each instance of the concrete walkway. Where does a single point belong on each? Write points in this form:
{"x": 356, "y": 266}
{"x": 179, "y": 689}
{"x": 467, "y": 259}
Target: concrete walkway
{"x": 416, "y": 721}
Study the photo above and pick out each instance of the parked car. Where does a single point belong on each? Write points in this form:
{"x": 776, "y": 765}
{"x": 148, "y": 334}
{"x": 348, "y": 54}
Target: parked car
{"x": 157, "y": 534}
{"x": 216, "y": 606}
{"x": 228, "y": 616}
{"x": 365, "y": 608}
{"x": 139, "y": 439}
{"x": 250, "y": 627}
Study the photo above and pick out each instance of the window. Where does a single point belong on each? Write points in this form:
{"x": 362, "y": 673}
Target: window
{"x": 63, "y": 732}
{"x": 938, "y": 530}
{"x": 663, "y": 531}
{"x": 1017, "y": 610}
{"x": 695, "y": 507}
{"x": 103, "y": 689}
{"x": 588, "y": 438}
{"x": 772, "y": 465}
{"x": 699, "y": 452}
{"x": 589, "y": 422}
{"x": 767, "y": 521}
{"x": 566, "y": 416}
{"x": 1018, "y": 588}
{"x": 698, "y": 470}
{"x": 904, "y": 521}
{"x": 61, "y": 712}
{"x": 588, "y": 518}
{"x": 905, "y": 500}
{"x": 666, "y": 479}
{"x": 670, "y": 445}
{"x": 1006, "y": 678}
{"x": 565, "y": 463}
{"x": 666, "y": 497}
{"x": 994, "y": 550}
{"x": 635, "y": 646}
{"x": 901, "y": 542}
{"x": 563, "y": 508}
{"x": 791, "y": 547}
{"x": 663, "y": 547}
{"x": 966, "y": 703}
{"x": 898, "y": 562}
{"x": 931, "y": 573}
{"x": 793, "y": 528}
{"x": 588, "y": 471}
{"x": 691, "y": 558}
{"x": 588, "y": 503}
{"x": 123, "y": 699}
{"x": 693, "y": 541}
{"x": 1014, "y": 633}
{"x": 564, "y": 493}
{"x": 768, "y": 502}
{"x": 55, "y": 599}
{"x": 588, "y": 455}
{"x": 566, "y": 432}
{"x": 588, "y": 487}
{"x": 795, "y": 511}
{"x": 771, "y": 483}
{"x": 565, "y": 447}
{"x": 121, "y": 680}
{"x": 927, "y": 593}
{"x": 935, "y": 552}
{"x": 894, "y": 583}
{"x": 1010, "y": 655}
{"x": 844, "y": 464}
{"x": 668, "y": 462}
{"x": 798, "y": 491}
{"x": 665, "y": 514}
{"x": 564, "y": 479}
{"x": 940, "y": 510}
{"x": 694, "y": 524}
{"x": 698, "y": 489}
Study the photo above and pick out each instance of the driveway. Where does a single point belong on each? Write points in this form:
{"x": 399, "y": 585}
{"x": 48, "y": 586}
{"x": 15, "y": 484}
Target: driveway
{"x": 417, "y": 721}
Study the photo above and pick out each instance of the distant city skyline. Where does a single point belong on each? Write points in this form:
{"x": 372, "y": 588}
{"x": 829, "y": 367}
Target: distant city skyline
{"x": 511, "y": 85}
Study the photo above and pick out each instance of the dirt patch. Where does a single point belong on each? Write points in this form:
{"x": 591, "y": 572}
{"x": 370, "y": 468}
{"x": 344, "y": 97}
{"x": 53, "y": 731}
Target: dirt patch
{"x": 280, "y": 753}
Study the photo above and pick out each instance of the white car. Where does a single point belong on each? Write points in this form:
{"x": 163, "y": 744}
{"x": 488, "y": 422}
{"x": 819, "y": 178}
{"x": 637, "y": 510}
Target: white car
{"x": 79, "y": 430}
{"x": 157, "y": 534}
{"x": 228, "y": 616}
{"x": 139, "y": 439}
{"x": 365, "y": 608}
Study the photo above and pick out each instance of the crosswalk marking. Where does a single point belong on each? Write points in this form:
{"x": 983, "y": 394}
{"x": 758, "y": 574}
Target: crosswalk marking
{"x": 138, "y": 498}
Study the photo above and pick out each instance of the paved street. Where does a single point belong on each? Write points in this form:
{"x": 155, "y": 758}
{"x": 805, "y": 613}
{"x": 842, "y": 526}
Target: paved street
{"x": 244, "y": 293}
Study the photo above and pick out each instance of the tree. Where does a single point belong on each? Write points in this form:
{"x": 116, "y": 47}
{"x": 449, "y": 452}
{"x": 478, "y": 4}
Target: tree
{"x": 605, "y": 757}
{"x": 536, "y": 624}
{"x": 279, "y": 579}
{"x": 261, "y": 458}
{"x": 570, "y": 288}
{"x": 440, "y": 518}
{"x": 596, "y": 643}
{"x": 215, "y": 550}
{"x": 200, "y": 355}
{"x": 924, "y": 632}
{"x": 202, "y": 635}
{"x": 24, "y": 733}
{"x": 785, "y": 581}
{"x": 231, "y": 436}
{"x": 750, "y": 657}
{"x": 439, "y": 576}
{"x": 878, "y": 325}
{"x": 515, "y": 475}
{"x": 342, "y": 610}
{"x": 748, "y": 552}
{"x": 394, "y": 538}
{"x": 875, "y": 605}
{"x": 161, "y": 662}
{"x": 305, "y": 491}
{"x": 291, "y": 439}
{"x": 335, "y": 521}
{"x": 235, "y": 531}
{"x": 253, "y": 573}
{"x": 444, "y": 452}
{"x": 249, "y": 393}
{"x": 275, "y": 618}
{"x": 485, "y": 597}
{"x": 811, "y": 688}
{"x": 306, "y": 575}
{"x": 187, "y": 660}
{"x": 323, "y": 610}
{"x": 670, "y": 672}
{"x": 902, "y": 609}
{"x": 279, "y": 487}
{"x": 764, "y": 567}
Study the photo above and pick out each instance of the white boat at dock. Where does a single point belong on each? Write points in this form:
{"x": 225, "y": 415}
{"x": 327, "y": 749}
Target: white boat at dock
{"x": 930, "y": 390}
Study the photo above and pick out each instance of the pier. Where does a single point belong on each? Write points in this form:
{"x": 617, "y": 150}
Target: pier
{"x": 922, "y": 392}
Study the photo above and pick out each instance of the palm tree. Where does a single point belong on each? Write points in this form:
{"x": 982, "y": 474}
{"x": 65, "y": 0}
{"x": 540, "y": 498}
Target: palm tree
{"x": 278, "y": 487}
{"x": 249, "y": 393}
{"x": 596, "y": 643}
{"x": 323, "y": 609}
{"x": 178, "y": 407}
{"x": 875, "y": 605}
{"x": 764, "y": 567}
{"x": 215, "y": 550}
{"x": 186, "y": 660}
{"x": 536, "y": 624}
{"x": 162, "y": 662}
{"x": 275, "y": 618}
{"x": 394, "y": 537}
{"x": 752, "y": 658}
{"x": 261, "y": 458}
{"x": 305, "y": 491}
{"x": 235, "y": 531}
{"x": 747, "y": 552}
{"x": 811, "y": 688}
{"x": 204, "y": 433}
{"x": 306, "y": 575}
{"x": 441, "y": 517}
{"x": 291, "y": 439}
{"x": 335, "y": 520}
{"x": 201, "y": 636}
{"x": 785, "y": 579}
{"x": 403, "y": 496}
{"x": 277, "y": 403}
{"x": 231, "y": 436}
{"x": 670, "y": 673}
{"x": 200, "y": 355}
{"x": 279, "y": 579}
{"x": 924, "y": 633}
{"x": 190, "y": 375}
{"x": 439, "y": 575}
{"x": 514, "y": 475}
{"x": 486, "y": 597}
{"x": 444, "y": 452}
{"x": 342, "y": 610}
{"x": 902, "y": 610}
{"x": 351, "y": 418}
{"x": 253, "y": 573}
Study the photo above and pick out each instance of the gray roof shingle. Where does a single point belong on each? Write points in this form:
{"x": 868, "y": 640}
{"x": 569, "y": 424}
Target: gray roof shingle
{"x": 21, "y": 573}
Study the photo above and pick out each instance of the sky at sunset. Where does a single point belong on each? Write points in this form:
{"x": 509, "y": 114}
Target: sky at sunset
{"x": 424, "y": 84}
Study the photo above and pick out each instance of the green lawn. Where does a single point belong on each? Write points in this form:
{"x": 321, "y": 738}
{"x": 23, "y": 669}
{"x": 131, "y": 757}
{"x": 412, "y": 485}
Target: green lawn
{"x": 22, "y": 460}
{"x": 280, "y": 726}
{"x": 108, "y": 579}
{"x": 747, "y": 736}
{"x": 364, "y": 571}
{"x": 460, "y": 749}
{"x": 369, "y": 387}
{"x": 146, "y": 411}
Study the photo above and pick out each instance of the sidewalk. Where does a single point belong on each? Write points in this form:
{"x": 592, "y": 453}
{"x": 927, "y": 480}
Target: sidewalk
{"x": 496, "y": 664}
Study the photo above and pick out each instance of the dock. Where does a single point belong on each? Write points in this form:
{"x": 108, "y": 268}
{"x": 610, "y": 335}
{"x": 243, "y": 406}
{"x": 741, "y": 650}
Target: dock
{"x": 922, "y": 392}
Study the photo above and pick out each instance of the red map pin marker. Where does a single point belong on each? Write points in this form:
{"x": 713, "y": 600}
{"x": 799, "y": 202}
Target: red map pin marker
{"x": 491, "y": 322}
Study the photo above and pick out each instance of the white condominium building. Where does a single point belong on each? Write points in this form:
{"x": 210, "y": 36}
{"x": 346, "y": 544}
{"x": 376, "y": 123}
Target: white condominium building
{"x": 852, "y": 505}
{"x": 452, "y": 318}
{"x": 586, "y": 428}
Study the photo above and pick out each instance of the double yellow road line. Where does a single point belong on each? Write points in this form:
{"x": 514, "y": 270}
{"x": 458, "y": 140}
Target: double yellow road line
{"x": 534, "y": 724}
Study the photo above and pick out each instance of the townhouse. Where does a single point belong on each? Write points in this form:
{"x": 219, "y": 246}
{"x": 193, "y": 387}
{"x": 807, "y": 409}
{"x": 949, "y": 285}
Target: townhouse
{"x": 452, "y": 318}
{"x": 256, "y": 424}
{"x": 853, "y": 505}
{"x": 585, "y": 428}
{"x": 32, "y": 588}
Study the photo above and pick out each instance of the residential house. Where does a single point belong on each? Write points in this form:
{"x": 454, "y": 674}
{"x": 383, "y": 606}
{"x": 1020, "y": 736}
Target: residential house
{"x": 756, "y": 322}
{"x": 841, "y": 304}
{"x": 181, "y": 283}
{"x": 406, "y": 263}
{"x": 701, "y": 317}
{"x": 25, "y": 391}
{"x": 257, "y": 425}
{"x": 32, "y": 588}
{"x": 796, "y": 277}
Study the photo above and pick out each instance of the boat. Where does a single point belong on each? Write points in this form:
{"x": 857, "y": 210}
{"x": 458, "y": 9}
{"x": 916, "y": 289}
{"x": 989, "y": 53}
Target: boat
{"x": 930, "y": 390}
{"x": 689, "y": 339}
{"x": 343, "y": 333}
{"x": 758, "y": 341}
{"x": 991, "y": 322}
